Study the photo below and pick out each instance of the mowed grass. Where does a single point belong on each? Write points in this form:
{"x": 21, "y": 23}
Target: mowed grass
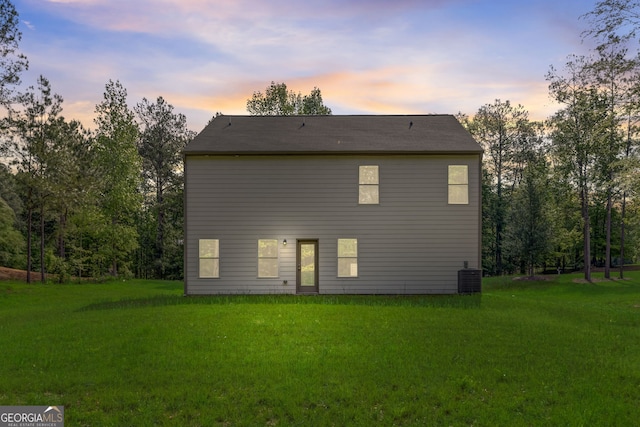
{"x": 138, "y": 353}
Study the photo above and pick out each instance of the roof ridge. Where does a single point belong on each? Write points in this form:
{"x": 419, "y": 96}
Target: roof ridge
{"x": 335, "y": 134}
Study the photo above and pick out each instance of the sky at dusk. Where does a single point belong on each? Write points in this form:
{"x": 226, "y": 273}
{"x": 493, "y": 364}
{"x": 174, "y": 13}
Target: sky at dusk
{"x": 366, "y": 56}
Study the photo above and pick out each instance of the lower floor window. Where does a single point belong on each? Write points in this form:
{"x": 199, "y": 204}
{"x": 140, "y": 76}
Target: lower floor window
{"x": 267, "y": 258}
{"x": 347, "y": 257}
{"x": 209, "y": 255}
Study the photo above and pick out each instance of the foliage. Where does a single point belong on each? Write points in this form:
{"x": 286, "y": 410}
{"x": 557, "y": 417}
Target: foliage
{"x": 577, "y": 135}
{"x": 109, "y": 201}
{"x": 509, "y": 140}
{"x": 87, "y": 189}
{"x": 312, "y": 104}
{"x": 163, "y": 136}
{"x": 9, "y": 190}
{"x": 613, "y": 18}
{"x": 32, "y": 145}
{"x": 89, "y": 230}
{"x": 278, "y": 101}
{"x": 613, "y": 25}
{"x": 11, "y": 240}
{"x": 119, "y": 166}
{"x": 12, "y": 63}
{"x": 565, "y": 221}
{"x": 528, "y": 232}
{"x": 488, "y": 220}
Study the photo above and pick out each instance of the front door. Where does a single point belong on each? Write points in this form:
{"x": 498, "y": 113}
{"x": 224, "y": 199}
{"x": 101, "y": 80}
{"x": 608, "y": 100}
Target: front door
{"x": 307, "y": 261}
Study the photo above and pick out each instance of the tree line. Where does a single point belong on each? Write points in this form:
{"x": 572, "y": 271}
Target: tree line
{"x": 562, "y": 194}
{"x": 86, "y": 202}
{"x": 90, "y": 203}
{"x": 558, "y": 194}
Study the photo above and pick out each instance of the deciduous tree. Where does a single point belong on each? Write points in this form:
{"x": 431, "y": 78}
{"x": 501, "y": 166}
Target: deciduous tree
{"x": 578, "y": 134}
{"x": 614, "y": 25}
{"x": 119, "y": 166}
{"x": 312, "y": 104}
{"x": 613, "y": 18}
{"x": 277, "y": 100}
{"x": 528, "y": 232}
{"x": 506, "y": 134}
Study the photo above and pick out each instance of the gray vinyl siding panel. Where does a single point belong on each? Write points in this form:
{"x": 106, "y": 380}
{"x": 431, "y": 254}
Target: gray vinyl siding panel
{"x": 412, "y": 242}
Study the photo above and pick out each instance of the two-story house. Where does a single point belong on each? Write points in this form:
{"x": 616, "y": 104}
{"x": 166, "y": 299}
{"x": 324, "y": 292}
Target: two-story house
{"x": 331, "y": 205}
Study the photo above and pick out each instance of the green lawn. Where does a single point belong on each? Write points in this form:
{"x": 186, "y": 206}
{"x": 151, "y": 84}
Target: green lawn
{"x": 138, "y": 353}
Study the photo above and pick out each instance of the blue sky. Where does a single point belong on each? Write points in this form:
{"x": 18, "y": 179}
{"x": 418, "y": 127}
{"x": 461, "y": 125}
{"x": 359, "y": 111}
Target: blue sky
{"x": 367, "y": 56}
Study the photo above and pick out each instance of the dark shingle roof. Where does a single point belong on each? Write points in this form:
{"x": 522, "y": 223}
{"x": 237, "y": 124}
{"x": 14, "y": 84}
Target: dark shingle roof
{"x": 333, "y": 135}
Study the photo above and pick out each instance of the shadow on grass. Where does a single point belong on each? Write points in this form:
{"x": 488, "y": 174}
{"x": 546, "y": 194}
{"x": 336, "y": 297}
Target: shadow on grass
{"x": 434, "y": 301}
{"x": 174, "y": 285}
{"x": 570, "y": 283}
{"x": 510, "y": 282}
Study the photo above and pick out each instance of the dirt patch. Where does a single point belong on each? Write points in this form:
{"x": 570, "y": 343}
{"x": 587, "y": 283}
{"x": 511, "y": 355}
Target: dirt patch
{"x": 597, "y": 280}
{"x": 532, "y": 278}
{"x": 627, "y": 267}
{"x": 13, "y": 274}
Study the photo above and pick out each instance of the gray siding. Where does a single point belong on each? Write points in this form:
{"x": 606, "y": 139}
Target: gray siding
{"x": 413, "y": 242}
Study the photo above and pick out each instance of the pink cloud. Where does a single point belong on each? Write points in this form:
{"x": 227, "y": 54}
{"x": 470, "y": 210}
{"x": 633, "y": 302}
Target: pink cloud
{"x": 377, "y": 56}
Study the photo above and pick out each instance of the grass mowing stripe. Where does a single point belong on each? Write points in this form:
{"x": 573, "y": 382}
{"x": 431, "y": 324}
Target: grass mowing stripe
{"x": 442, "y": 301}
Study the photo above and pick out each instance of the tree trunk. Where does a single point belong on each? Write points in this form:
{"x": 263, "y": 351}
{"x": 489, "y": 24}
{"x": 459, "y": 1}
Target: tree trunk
{"x": 29, "y": 260}
{"x": 62, "y": 251}
{"x": 586, "y": 234}
{"x": 622, "y": 230}
{"x": 43, "y": 278}
{"x": 499, "y": 228}
{"x": 160, "y": 231}
{"x": 624, "y": 201}
{"x": 114, "y": 264}
{"x": 500, "y": 204}
{"x": 607, "y": 250}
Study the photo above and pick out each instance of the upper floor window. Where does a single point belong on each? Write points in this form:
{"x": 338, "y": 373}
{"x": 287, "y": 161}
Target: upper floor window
{"x": 267, "y": 258}
{"x": 368, "y": 193}
{"x": 458, "y": 185}
{"x": 209, "y": 255}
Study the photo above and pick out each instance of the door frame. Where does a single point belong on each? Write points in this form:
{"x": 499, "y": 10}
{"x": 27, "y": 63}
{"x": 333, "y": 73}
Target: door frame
{"x": 306, "y": 289}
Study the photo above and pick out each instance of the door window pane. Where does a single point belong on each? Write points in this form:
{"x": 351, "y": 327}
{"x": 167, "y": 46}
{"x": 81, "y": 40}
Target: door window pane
{"x": 307, "y": 264}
